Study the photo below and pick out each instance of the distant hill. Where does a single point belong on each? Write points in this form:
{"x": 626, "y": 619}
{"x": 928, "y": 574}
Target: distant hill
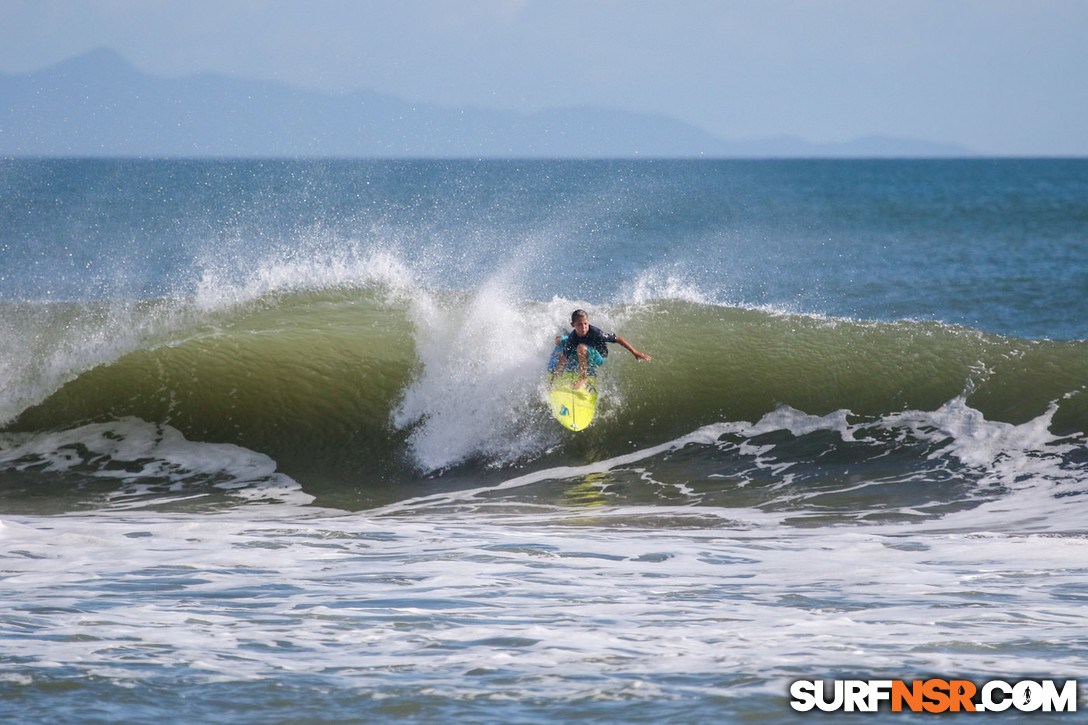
{"x": 99, "y": 105}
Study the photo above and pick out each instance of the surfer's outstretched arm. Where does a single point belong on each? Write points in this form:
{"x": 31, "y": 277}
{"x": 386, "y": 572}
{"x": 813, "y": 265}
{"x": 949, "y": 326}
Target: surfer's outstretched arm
{"x": 638, "y": 355}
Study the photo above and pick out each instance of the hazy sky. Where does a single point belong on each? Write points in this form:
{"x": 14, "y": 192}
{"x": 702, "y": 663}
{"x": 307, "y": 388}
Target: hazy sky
{"x": 999, "y": 76}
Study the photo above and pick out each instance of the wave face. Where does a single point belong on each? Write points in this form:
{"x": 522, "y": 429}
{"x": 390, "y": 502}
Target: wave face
{"x": 365, "y": 389}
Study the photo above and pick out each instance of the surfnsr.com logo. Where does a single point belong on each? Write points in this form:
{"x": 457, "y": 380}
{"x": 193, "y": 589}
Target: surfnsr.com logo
{"x": 933, "y": 695}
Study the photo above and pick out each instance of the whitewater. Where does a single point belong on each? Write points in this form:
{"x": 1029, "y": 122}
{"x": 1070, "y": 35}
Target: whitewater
{"x": 274, "y": 441}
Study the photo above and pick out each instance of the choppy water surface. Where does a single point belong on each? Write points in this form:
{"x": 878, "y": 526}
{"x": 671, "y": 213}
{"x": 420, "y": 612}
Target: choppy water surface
{"x": 275, "y": 444}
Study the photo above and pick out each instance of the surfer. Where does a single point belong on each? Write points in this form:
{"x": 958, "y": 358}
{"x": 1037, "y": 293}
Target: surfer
{"x": 589, "y": 344}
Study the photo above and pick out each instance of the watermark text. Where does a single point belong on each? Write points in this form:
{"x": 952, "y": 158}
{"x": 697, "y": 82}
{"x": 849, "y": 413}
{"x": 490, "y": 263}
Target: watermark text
{"x": 933, "y": 695}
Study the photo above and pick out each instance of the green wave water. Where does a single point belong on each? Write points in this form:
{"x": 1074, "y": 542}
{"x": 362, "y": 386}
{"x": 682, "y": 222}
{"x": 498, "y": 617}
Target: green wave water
{"x": 357, "y": 389}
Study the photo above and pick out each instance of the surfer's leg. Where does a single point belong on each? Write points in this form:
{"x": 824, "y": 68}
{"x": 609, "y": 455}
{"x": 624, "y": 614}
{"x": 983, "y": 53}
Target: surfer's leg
{"x": 583, "y": 366}
{"x": 595, "y": 360}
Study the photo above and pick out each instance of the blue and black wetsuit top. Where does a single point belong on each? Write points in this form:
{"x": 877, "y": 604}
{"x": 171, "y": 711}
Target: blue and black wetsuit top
{"x": 596, "y": 342}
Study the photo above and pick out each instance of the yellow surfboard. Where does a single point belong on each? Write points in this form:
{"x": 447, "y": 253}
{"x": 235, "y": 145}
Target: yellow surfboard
{"x": 573, "y": 408}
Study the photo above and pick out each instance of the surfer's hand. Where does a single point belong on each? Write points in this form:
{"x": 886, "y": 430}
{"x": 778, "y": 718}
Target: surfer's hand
{"x": 642, "y": 357}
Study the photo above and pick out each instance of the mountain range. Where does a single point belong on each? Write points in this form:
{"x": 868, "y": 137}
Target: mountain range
{"x": 98, "y": 105}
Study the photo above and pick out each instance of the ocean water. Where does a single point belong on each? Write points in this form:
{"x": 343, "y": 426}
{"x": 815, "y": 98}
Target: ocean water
{"x": 274, "y": 445}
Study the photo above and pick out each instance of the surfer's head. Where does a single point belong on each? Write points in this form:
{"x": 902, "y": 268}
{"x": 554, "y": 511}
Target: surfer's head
{"x": 579, "y": 320}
